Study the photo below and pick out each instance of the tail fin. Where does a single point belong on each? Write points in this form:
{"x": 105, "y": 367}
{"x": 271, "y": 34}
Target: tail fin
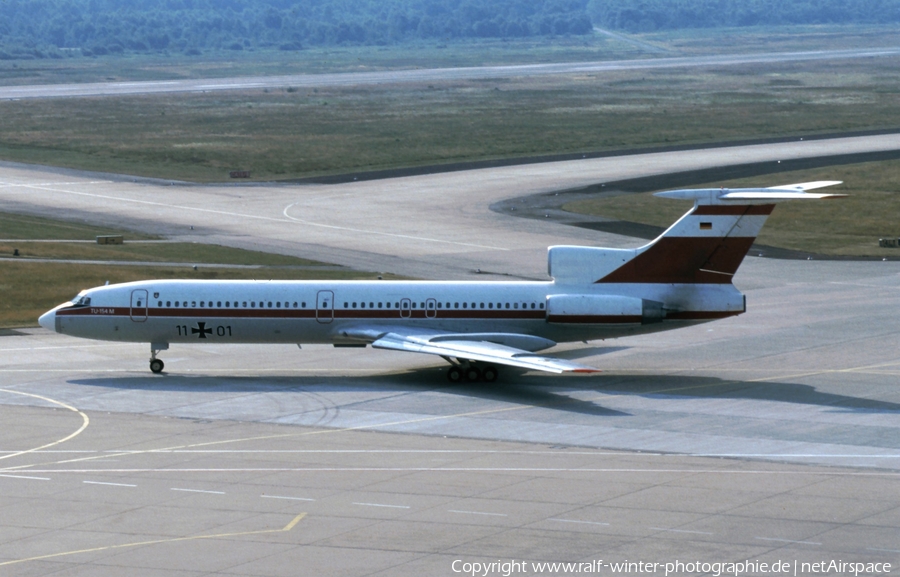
{"x": 706, "y": 245}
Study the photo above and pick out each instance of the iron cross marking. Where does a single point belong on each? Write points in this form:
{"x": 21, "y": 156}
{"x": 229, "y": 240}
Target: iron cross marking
{"x": 202, "y": 330}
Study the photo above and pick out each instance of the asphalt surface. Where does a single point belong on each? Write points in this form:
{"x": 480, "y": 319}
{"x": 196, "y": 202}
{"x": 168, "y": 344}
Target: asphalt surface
{"x": 772, "y": 436}
{"x": 424, "y": 74}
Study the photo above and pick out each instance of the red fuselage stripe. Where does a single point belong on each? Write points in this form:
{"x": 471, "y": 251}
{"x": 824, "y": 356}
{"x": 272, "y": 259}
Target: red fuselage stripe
{"x": 357, "y": 314}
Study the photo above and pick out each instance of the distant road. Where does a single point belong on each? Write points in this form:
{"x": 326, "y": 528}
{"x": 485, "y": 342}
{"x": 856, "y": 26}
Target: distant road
{"x": 422, "y": 75}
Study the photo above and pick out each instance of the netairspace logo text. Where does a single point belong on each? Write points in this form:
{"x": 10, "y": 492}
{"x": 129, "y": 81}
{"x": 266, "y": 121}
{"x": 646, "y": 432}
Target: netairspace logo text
{"x": 716, "y": 569}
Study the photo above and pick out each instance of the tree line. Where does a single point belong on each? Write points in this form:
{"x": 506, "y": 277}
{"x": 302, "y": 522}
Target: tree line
{"x": 55, "y": 28}
{"x": 97, "y": 27}
{"x": 652, "y": 15}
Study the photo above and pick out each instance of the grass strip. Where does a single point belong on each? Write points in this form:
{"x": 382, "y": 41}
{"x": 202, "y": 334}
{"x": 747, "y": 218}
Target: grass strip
{"x": 29, "y": 289}
{"x": 849, "y": 226}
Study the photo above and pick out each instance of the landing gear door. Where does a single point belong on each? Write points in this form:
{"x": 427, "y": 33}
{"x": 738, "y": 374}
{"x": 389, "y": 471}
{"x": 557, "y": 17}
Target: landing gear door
{"x": 325, "y": 307}
{"x": 139, "y": 305}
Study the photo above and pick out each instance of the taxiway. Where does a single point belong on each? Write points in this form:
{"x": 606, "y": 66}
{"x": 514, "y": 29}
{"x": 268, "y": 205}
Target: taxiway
{"x": 769, "y": 436}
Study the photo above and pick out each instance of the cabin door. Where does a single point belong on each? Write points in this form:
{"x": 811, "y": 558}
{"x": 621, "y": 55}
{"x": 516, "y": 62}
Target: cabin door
{"x": 325, "y": 307}
{"x": 139, "y": 305}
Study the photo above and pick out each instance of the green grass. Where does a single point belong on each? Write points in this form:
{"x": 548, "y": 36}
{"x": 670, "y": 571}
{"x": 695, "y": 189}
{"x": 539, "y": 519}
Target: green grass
{"x": 849, "y": 226}
{"x": 181, "y": 252}
{"x": 20, "y": 226}
{"x": 229, "y": 63}
{"x": 30, "y": 288}
{"x": 285, "y": 135}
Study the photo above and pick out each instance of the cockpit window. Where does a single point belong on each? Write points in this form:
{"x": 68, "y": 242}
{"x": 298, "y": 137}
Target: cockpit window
{"x": 81, "y": 300}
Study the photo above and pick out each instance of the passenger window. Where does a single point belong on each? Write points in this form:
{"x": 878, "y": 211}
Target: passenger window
{"x": 201, "y": 304}
{"x": 168, "y": 303}
{"x": 159, "y": 304}
{"x": 490, "y": 305}
{"x": 439, "y": 305}
{"x": 465, "y": 305}
{"x": 176, "y": 304}
{"x": 227, "y": 304}
{"x": 295, "y": 304}
{"x": 210, "y": 304}
{"x": 219, "y": 304}
{"x": 193, "y": 304}
{"x": 542, "y": 306}
{"x": 413, "y": 305}
{"x": 515, "y": 305}
{"x": 482, "y": 305}
{"x": 303, "y": 304}
{"x": 362, "y": 305}
{"x": 277, "y": 305}
{"x": 270, "y": 304}
{"x": 379, "y": 305}
{"x": 396, "y": 305}
{"x": 371, "y": 305}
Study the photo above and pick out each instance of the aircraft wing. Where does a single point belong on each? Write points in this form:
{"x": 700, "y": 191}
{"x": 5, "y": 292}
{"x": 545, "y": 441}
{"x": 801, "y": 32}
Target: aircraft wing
{"x": 484, "y": 347}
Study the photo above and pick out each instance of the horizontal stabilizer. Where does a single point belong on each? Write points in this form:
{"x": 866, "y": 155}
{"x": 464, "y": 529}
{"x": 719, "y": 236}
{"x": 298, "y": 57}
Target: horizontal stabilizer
{"x": 772, "y": 195}
{"x": 769, "y": 195}
{"x": 808, "y": 185}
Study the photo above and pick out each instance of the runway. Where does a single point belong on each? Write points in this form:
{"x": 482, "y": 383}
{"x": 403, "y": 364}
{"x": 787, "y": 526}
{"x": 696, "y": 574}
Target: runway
{"x": 421, "y": 75}
{"x": 769, "y": 436}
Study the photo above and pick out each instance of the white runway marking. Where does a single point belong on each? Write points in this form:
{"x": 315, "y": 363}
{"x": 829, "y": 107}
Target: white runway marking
{"x": 681, "y": 531}
{"x": 580, "y": 522}
{"x": 382, "y": 505}
{"x": 24, "y": 477}
{"x": 787, "y": 541}
{"x": 109, "y": 484}
{"x": 895, "y": 474}
{"x": 392, "y": 235}
{"x": 198, "y": 491}
{"x": 85, "y": 421}
{"x": 288, "y": 498}
{"x": 287, "y": 218}
{"x": 477, "y": 513}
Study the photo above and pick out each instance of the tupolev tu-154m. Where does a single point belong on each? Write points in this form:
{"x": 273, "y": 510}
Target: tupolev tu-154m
{"x": 680, "y": 279}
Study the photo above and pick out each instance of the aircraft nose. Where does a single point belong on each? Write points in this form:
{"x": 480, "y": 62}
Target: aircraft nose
{"x": 48, "y": 320}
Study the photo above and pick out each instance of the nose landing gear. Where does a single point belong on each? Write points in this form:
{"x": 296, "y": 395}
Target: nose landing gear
{"x": 156, "y": 365}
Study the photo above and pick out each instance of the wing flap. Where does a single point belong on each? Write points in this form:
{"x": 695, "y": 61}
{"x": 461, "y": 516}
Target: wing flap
{"x": 445, "y": 345}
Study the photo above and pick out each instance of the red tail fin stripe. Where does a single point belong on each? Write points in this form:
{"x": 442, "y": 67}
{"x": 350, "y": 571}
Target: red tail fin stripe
{"x": 741, "y": 209}
{"x": 684, "y": 259}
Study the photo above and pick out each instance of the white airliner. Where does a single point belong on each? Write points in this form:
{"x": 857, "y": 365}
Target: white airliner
{"x": 680, "y": 279}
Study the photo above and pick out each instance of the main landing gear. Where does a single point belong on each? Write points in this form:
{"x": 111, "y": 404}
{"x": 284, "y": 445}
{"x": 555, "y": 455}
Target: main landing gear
{"x": 469, "y": 371}
{"x": 156, "y": 365}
